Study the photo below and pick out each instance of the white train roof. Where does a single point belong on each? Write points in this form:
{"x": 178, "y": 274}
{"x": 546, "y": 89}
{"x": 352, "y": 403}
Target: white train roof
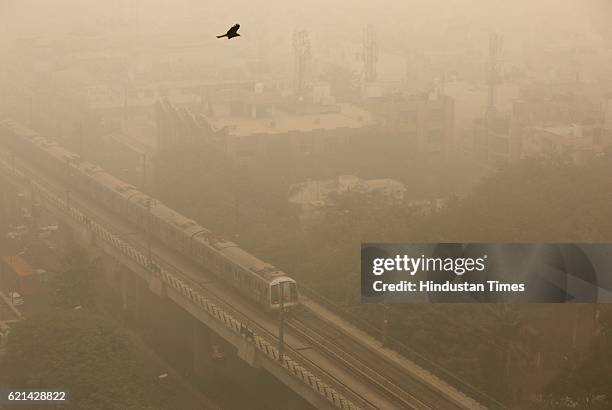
{"x": 18, "y": 129}
{"x": 252, "y": 263}
{"x": 227, "y": 248}
{"x": 212, "y": 239}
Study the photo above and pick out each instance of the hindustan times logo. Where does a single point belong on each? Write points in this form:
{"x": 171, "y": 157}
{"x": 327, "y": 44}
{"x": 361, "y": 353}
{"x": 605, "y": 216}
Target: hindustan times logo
{"x": 411, "y": 265}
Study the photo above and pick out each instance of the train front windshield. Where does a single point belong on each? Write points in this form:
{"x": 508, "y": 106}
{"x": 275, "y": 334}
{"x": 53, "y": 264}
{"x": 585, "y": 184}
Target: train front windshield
{"x": 289, "y": 293}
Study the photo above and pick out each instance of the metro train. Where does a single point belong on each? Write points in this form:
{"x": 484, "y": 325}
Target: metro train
{"x": 257, "y": 280}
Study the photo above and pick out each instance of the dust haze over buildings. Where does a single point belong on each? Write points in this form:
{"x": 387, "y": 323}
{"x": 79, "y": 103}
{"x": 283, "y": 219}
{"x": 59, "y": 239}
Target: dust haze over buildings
{"x": 322, "y": 118}
{"x": 414, "y": 37}
{"x": 440, "y": 31}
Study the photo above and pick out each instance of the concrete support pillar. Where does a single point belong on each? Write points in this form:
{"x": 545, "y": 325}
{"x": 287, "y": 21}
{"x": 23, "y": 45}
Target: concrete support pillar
{"x": 67, "y": 234}
{"x": 293, "y": 401}
{"x": 124, "y": 290}
{"x": 157, "y": 286}
{"x": 201, "y": 349}
{"x": 137, "y": 300}
{"x": 84, "y": 236}
{"x": 248, "y": 353}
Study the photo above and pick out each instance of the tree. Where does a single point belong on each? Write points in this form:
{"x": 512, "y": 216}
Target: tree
{"x": 73, "y": 284}
{"x": 530, "y": 201}
{"x": 508, "y": 345}
{"x": 84, "y": 352}
{"x": 585, "y": 379}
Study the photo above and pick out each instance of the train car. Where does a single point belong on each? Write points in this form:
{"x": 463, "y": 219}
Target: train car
{"x": 17, "y": 137}
{"x": 254, "y": 278}
{"x": 260, "y": 280}
{"x": 112, "y": 192}
{"x": 87, "y": 178}
{"x": 137, "y": 211}
{"x": 174, "y": 229}
{"x": 206, "y": 247}
{"x": 35, "y": 147}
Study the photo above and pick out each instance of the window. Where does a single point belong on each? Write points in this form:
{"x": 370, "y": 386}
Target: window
{"x": 274, "y": 295}
{"x": 436, "y": 115}
{"x": 435, "y": 136}
{"x": 293, "y": 295}
{"x": 500, "y": 144}
{"x": 407, "y": 117}
{"x": 408, "y": 136}
{"x": 306, "y": 145}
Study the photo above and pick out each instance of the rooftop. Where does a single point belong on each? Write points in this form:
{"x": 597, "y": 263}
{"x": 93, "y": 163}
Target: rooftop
{"x": 316, "y": 192}
{"x": 281, "y": 122}
{"x": 568, "y": 130}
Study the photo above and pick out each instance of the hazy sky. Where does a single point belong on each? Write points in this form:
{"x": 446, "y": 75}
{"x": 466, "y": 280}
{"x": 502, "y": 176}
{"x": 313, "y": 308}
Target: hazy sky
{"x": 398, "y": 14}
{"x": 335, "y": 26}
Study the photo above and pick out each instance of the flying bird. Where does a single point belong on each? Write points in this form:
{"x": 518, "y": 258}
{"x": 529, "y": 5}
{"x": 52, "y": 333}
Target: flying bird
{"x": 232, "y": 32}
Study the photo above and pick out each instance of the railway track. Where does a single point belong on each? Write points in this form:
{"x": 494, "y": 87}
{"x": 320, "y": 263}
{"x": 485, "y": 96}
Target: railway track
{"x": 196, "y": 281}
{"x": 397, "y": 381}
{"x": 334, "y": 350}
{"x": 391, "y": 382}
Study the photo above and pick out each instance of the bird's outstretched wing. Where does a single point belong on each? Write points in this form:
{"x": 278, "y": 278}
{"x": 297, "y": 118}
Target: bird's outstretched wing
{"x": 234, "y": 29}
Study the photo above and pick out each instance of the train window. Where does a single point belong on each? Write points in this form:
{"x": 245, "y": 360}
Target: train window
{"x": 210, "y": 257}
{"x": 293, "y": 292}
{"x": 286, "y": 291}
{"x": 274, "y": 294}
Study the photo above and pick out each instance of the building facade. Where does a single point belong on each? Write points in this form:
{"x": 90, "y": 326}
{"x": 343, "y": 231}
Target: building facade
{"x": 424, "y": 123}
